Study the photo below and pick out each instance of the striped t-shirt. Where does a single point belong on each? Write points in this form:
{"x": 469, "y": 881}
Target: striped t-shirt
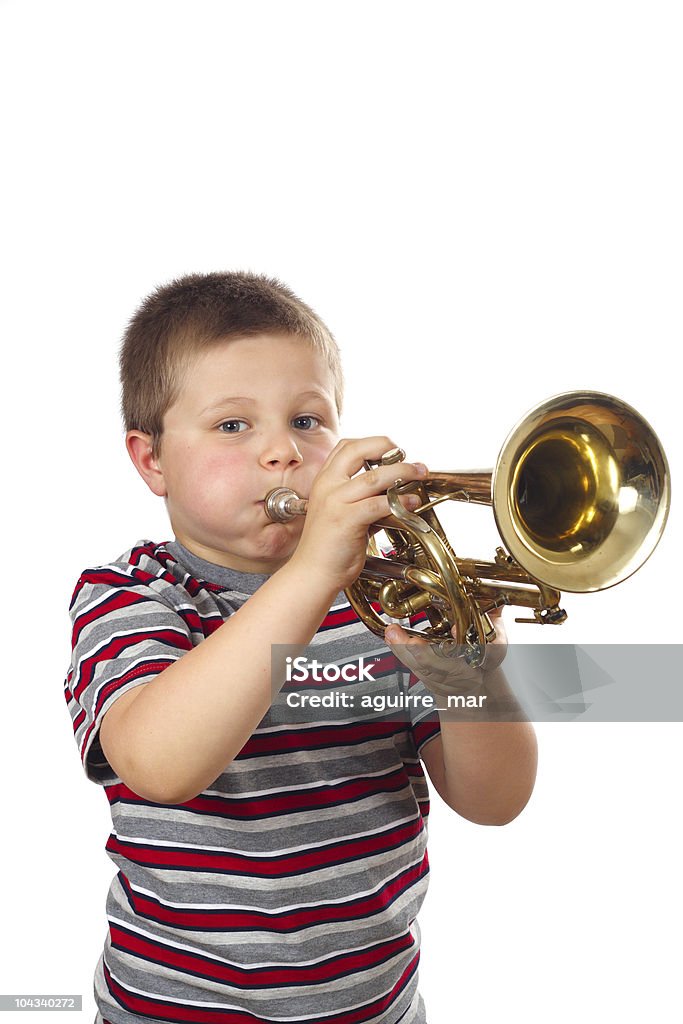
{"x": 288, "y": 890}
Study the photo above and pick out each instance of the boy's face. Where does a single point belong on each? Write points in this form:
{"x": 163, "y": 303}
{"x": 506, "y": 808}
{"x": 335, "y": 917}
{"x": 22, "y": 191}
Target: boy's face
{"x": 253, "y": 414}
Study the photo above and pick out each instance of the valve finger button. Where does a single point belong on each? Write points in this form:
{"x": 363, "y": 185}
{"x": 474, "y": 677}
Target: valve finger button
{"x": 388, "y": 459}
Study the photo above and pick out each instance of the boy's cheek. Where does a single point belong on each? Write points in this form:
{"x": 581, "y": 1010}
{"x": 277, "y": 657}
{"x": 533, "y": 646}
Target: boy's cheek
{"x": 322, "y": 455}
{"x": 317, "y": 469}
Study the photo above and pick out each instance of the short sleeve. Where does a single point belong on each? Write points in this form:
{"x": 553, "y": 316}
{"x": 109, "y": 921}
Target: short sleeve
{"x": 123, "y": 635}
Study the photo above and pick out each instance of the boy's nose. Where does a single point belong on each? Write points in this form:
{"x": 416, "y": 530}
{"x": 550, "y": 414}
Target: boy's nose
{"x": 281, "y": 451}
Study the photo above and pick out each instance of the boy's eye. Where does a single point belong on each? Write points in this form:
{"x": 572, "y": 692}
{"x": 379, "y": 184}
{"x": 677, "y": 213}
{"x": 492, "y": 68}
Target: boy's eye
{"x": 306, "y": 422}
{"x": 232, "y": 426}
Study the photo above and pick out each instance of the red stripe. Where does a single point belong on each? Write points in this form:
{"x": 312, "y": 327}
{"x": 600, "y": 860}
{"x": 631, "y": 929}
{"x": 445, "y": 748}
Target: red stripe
{"x": 287, "y": 803}
{"x": 311, "y": 739}
{"x": 426, "y": 729}
{"x": 115, "y": 600}
{"x": 78, "y": 722}
{"x": 344, "y": 615}
{"x": 170, "y": 858}
{"x": 339, "y": 617}
{"x": 249, "y": 978}
{"x": 284, "y": 921}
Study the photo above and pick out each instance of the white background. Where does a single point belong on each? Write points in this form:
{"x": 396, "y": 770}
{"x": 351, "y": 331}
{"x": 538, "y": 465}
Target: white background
{"x": 484, "y": 203}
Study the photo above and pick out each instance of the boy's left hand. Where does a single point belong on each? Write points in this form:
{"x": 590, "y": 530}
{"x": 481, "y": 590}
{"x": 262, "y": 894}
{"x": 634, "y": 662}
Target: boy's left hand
{"x": 440, "y": 672}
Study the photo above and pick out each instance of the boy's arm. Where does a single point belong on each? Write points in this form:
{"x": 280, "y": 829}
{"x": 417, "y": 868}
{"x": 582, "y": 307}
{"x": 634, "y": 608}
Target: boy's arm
{"x": 484, "y": 770}
{"x": 172, "y": 737}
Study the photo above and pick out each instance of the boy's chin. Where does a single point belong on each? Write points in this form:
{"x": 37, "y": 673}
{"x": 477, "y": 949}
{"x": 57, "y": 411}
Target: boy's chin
{"x": 281, "y": 546}
{"x": 274, "y": 548}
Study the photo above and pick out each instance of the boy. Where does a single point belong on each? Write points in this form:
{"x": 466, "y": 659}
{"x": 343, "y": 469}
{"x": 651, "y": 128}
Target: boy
{"x": 266, "y": 872}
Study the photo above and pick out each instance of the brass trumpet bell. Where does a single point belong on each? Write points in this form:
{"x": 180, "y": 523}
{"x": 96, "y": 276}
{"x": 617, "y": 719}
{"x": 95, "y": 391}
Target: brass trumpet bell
{"x": 580, "y": 491}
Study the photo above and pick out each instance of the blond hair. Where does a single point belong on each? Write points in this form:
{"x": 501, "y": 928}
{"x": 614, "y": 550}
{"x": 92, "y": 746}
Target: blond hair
{"x": 185, "y": 317}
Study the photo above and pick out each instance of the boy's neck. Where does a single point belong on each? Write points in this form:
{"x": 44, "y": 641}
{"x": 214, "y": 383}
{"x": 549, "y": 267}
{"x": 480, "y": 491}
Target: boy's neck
{"x": 221, "y": 575}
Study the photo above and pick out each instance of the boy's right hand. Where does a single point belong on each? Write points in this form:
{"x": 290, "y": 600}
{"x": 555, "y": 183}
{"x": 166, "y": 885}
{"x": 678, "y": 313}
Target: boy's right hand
{"x": 342, "y": 504}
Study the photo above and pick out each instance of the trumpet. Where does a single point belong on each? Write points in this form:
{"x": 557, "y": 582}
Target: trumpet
{"x": 580, "y": 494}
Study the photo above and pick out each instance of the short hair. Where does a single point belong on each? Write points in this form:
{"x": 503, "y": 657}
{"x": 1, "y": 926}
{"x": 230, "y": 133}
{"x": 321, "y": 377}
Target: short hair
{"x": 189, "y": 315}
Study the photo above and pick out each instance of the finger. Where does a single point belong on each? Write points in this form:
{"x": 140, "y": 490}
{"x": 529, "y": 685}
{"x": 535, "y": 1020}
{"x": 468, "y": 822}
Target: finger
{"x": 406, "y": 655}
{"x": 419, "y": 652}
{"x": 395, "y": 634}
{"x": 365, "y": 511}
{"x": 379, "y": 479}
{"x": 350, "y": 454}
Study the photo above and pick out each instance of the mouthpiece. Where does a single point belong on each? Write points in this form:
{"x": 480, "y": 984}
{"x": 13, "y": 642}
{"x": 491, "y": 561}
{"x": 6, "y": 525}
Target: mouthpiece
{"x": 283, "y": 504}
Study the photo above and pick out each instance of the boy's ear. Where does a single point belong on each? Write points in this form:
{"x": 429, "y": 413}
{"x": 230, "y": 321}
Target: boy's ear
{"x": 139, "y": 447}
